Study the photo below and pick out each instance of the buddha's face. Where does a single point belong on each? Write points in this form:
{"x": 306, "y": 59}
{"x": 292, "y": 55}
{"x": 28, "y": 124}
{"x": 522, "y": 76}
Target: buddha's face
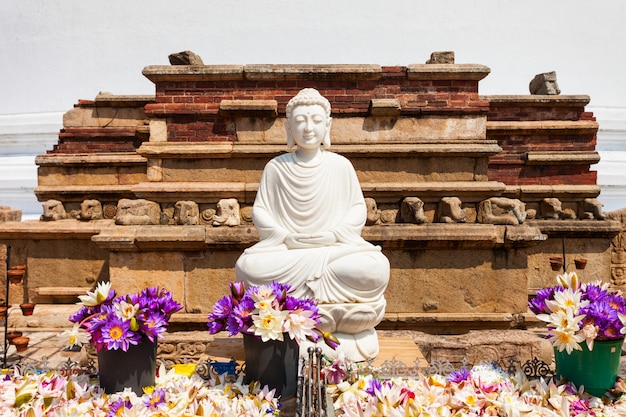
{"x": 309, "y": 125}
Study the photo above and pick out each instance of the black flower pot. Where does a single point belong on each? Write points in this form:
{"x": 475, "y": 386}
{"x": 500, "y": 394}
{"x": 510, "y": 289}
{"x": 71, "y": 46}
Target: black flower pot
{"x": 273, "y": 363}
{"x": 133, "y": 369}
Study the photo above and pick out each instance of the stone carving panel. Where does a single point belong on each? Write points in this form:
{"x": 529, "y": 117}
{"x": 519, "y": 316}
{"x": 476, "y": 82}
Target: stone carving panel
{"x": 589, "y": 209}
{"x": 412, "y": 211}
{"x": 90, "y": 210}
{"x": 450, "y": 210}
{"x": 186, "y": 213}
{"x": 137, "y": 212}
{"x": 501, "y": 210}
{"x": 373, "y": 213}
{"x": 552, "y": 208}
{"x": 53, "y": 210}
{"x": 227, "y": 213}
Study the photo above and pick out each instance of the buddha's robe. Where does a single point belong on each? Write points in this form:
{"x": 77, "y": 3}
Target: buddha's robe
{"x": 348, "y": 277}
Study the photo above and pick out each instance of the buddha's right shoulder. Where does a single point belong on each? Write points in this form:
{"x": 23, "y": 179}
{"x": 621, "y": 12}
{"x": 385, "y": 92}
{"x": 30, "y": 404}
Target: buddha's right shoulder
{"x": 280, "y": 159}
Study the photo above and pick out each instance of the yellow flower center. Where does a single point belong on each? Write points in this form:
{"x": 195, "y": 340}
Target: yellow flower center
{"x": 116, "y": 333}
{"x": 268, "y": 321}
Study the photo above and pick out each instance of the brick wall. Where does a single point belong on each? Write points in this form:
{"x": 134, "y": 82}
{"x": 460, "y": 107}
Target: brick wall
{"x": 192, "y": 108}
{"x": 556, "y": 126}
{"x": 102, "y": 134}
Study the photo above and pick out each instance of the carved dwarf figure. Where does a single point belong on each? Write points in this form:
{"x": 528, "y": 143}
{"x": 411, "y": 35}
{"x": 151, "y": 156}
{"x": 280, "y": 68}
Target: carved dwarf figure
{"x": 137, "y": 212}
{"x": 53, "y": 210}
{"x": 186, "y": 213}
{"x": 373, "y": 214}
{"x": 552, "y": 208}
{"x": 227, "y": 213}
{"x": 590, "y": 208}
{"x": 90, "y": 210}
{"x": 501, "y": 210}
{"x": 449, "y": 210}
{"x": 412, "y": 211}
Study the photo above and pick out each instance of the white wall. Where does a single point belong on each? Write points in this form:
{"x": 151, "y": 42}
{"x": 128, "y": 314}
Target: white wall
{"x": 55, "y": 52}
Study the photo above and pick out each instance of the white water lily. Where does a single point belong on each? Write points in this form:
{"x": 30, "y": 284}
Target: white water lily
{"x": 590, "y": 332}
{"x": 76, "y": 336}
{"x": 568, "y": 280}
{"x": 298, "y": 324}
{"x": 97, "y": 297}
{"x": 622, "y": 318}
{"x": 565, "y": 339}
{"x": 567, "y": 299}
{"x": 126, "y": 311}
{"x": 269, "y": 324}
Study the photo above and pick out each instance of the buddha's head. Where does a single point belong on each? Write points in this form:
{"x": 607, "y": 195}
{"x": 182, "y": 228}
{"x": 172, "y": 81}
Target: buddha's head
{"x": 308, "y": 119}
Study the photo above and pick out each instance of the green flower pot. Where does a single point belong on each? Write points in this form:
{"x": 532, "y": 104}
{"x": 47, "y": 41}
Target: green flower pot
{"x": 597, "y": 369}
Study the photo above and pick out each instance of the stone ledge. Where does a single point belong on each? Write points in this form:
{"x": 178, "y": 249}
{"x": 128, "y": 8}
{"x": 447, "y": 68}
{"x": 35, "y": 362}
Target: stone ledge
{"x": 58, "y": 229}
{"x": 77, "y": 193}
{"x": 385, "y": 107}
{"x": 537, "y": 100}
{"x": 266, "y": 72}
{"x": 544, "y": 127}
{"x": 473, "y": 72}
{"x": 211, "y": 192}
{"x": 270, "y": 72}
{"x": 181, "y": 73}
{"x": 175, "y": 150}
{"x": 563, "y": 192}
{"x": 578, "y": 228}
{"x": 409, "y": 236}
{"x": 92, "y": 159}
{"x": 249, "y": 108}
{"x": 563, "y": 158}
{"x": 114, "y": 100}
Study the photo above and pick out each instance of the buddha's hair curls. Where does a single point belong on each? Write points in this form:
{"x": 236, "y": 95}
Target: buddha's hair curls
{"x": 308, "y": 97}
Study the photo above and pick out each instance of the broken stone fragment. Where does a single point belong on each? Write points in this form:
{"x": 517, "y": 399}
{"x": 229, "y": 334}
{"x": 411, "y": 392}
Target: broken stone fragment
{"x": 185, "y": 58}
{"x": 7, "y": 214}
{"x": 444, "y": 57}
{"x": 544, "y": 84}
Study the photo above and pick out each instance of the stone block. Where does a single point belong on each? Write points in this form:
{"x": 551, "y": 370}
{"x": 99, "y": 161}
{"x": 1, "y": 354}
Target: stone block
{"x": 132, "y": 272}
{"x": 445, "y": 57}
{"x": 7, "y": 214}
{"x": 544, "y": 84}
{"x": 207, "y": 279}
{"x": 484, "y": 346}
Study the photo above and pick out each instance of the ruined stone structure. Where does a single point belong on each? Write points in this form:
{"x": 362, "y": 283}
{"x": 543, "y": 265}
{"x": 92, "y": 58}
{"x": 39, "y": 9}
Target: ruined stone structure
{"x": 469, "y": 195}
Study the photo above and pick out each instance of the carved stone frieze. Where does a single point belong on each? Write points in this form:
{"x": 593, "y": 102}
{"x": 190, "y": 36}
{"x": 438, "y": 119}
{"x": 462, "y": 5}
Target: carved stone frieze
{"x": 552, "y": 209}
{"x": 137, "y": 212}
{"x": 53, "y": 210}
{"x": 227, "y": 213}
{"x": 412, "y": 211}
{"x": 90, "y": 210}
{"x": 501, "y": 210}
{"x": 246, "y": 214}
{"x": 373, "y": 213}
{"x": 186, "y": 213}
{"x": 206, "y": 217}
{"x": 589, "y": 209}
{"x": 450, "y": 210}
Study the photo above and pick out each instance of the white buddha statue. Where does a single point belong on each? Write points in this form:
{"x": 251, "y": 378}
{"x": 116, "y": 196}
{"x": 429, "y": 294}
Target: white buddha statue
{"x": 309, "y": 212}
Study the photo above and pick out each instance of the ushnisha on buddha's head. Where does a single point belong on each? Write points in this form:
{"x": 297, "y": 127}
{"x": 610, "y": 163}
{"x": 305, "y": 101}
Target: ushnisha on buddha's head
{"x": 308, "y": 120}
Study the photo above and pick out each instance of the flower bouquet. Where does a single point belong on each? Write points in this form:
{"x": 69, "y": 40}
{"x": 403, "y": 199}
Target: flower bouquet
{"x": 268, "y": 312}
{"x": 116, "y": 322}
{"x": 273, "y": 324}
{"x": 584, "y": 312}
{"x": 577, "y": 312}
{"x": 124, "y": 331}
